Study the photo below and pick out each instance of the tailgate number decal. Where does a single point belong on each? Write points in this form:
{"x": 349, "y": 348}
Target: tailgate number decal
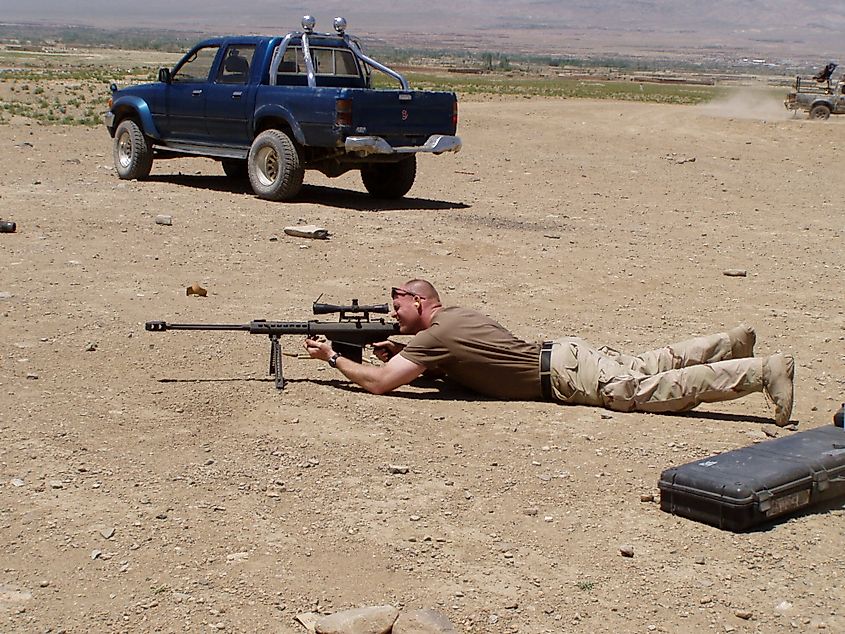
{"x": 404, "y": 115}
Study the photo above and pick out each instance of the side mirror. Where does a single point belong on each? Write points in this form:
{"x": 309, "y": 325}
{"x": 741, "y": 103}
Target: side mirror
{"x": 164, "y": 75}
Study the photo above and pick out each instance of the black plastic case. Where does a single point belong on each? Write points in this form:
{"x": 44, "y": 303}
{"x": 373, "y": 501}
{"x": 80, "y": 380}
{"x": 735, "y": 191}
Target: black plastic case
{"x": 746, "y": 487}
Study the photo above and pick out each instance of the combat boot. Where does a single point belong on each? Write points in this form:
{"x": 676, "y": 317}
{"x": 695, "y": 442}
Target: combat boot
{"x": 778, "y": 372}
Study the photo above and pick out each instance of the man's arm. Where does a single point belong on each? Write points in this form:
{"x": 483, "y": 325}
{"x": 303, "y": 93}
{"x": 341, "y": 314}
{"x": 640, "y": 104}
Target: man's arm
{"x": 375, "y": 379}
{"x": 381, "y": 379}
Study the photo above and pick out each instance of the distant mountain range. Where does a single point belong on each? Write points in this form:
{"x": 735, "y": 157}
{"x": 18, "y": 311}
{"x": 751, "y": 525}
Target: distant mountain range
{"x": 776, "y": 29}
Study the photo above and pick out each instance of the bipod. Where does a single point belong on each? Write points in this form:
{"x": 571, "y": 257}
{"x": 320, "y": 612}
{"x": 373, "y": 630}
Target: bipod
{"x": 276, "y": 362}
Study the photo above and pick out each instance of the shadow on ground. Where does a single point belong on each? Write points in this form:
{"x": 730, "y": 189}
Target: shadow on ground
{"x": 311, "y": 194}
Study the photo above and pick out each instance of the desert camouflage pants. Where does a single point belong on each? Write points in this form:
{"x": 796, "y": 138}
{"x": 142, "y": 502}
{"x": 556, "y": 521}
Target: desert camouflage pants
{"x": 671, "y": 379}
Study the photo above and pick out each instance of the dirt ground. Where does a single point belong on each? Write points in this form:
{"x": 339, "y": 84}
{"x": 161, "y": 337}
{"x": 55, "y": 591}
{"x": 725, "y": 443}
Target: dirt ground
{"x": 158, "y": 482}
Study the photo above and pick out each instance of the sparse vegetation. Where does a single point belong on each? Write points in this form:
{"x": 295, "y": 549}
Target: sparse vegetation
{"x": 47, "y": 79}
{"x": 554, "y": 86}
{"x": 67, "y": 89}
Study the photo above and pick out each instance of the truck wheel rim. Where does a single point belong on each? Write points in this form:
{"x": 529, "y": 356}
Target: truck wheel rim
{"x": 124, "y": 150}
{"x": 267, "y": 162}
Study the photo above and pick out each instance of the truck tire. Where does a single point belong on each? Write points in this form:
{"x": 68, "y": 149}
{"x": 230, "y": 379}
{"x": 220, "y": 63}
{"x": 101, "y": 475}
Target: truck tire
{"x": 820, "y": 112}
{"x": 133, "y": 155}
{"x": 274, "y": 166}
{"x": 390, "y": 180}
{"x": 235, "y": 168}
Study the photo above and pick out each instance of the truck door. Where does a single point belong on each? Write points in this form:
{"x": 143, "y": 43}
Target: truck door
{"x": 229, "y": 98}
{"x": 185, "y": 95}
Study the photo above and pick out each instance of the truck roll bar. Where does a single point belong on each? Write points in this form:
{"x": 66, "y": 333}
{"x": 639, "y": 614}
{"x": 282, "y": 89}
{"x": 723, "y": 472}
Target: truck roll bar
{"x": 308, "y": 23}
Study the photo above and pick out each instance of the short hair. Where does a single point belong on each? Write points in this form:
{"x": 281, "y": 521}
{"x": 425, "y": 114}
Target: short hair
{"x": 424, "y": 288}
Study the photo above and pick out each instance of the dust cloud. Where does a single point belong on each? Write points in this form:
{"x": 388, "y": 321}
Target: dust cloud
{"x": 749, "y": 103}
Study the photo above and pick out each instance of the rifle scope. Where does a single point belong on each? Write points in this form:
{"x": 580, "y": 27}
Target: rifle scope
{"x": 355, "y": 307}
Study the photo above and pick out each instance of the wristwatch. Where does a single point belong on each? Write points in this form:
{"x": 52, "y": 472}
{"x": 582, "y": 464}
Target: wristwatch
{"x": 333, "y": 359}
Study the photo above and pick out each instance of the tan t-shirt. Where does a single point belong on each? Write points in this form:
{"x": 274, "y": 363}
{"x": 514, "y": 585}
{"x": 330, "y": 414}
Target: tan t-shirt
{"x": 478, "y": 353}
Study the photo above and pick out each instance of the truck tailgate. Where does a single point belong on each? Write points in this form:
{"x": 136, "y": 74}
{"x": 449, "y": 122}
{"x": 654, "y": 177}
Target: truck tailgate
{"x": 402, "y": 117}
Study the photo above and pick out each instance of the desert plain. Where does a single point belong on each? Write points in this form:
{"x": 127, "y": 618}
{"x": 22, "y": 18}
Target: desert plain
{"x": 159, "y": 482}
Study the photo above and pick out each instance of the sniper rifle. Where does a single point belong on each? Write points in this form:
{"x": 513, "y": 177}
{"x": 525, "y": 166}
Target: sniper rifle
{"x": 353, "y": 330}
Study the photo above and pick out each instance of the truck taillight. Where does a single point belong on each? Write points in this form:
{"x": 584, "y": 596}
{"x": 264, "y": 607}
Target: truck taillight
{"x": 110, "y": 103}
{"x": 343, "y": 112}
{"x": 455, "y": 114}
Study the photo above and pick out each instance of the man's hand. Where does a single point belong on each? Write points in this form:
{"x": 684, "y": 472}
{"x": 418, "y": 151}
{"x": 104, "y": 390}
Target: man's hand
{"x": 386, "y": 350}
{"x": 321, "y": 350}
{"x": 376, "y": 379}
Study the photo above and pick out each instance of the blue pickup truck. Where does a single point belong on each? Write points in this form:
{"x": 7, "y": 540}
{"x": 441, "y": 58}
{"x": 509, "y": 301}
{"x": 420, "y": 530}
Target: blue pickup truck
{"x": 268, "y": 108}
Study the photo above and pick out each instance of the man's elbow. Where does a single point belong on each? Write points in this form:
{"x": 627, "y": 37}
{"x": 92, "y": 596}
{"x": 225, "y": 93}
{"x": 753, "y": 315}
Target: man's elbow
{"x": 378, "y": 388}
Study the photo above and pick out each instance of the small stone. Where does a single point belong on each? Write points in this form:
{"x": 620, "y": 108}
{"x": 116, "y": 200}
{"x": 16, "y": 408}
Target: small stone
{"x": 31, "y": 376}
{"x": 743, "y": 614}
{"x": 163, "y": 219}
{"x": 699, "y": 560}
{"x": 397, "y": 469}
{"x": 735, "y": 272}
{"x": 415, "y": 518}
{"x": 107, "y": 533}
{"x": 308, "y": 620}
{"x": 423, "y": 622}
{"x": 90, "y": 347}
{"x": 647, "y": 497}
{"x": 196, "y": 289}
{"x": 96, "y": 554}
{"x": 532, "y": 511}
{"x": 308, "y": 231}
{"x": 17, "y": 482}
{"x": 43, "y": 584}
{"x": 605, "y": 416}
{"x": 56, "y": 484}
{"x": 375, "y": 620}
{"x": 783, "y": 606}
{"x": 626, "y": 550}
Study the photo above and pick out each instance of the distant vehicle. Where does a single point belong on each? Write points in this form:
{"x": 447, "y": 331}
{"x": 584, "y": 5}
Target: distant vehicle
{"x": 819, "y": 99}
{"x": 268, "y": 108}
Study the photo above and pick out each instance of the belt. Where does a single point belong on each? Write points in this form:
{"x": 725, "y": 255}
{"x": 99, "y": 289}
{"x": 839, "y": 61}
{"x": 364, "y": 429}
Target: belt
{"x": 546, "y": 370}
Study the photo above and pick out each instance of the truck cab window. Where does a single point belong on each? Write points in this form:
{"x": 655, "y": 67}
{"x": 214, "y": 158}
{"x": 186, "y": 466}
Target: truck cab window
{"x": 323, "y": 61}
{"x": 327, "y": 61}
{"x": 237, "y": 61}
{"x": 345, "y": 63}
{"x": 196, "y": 67}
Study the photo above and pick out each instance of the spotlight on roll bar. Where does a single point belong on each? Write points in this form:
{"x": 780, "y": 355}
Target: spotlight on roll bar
{"x": 340, "y": 25}
{"x": 308, "y": 23}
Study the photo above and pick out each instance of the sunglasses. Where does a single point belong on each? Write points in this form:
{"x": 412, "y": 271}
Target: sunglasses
{"x": 403, "y": 292}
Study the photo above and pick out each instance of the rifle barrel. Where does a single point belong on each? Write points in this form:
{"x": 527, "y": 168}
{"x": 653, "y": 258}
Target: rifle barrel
{"x": 161, "y": 326}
